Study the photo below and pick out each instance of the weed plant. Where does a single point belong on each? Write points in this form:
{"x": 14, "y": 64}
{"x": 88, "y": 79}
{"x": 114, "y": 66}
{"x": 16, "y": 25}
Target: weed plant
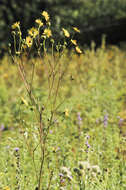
{"x": 62, "y": 122}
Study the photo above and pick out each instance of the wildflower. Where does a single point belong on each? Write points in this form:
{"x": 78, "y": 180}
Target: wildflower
{"x": 6, "y": 188}
{"x": 87, "y": 144}
{"x": 61, "y": 175}
{"x": 79, "y": 119}
{"x": 5, "y": 75}
{"x": 66, "y": 112}
{"x": 46, "y": 15}
{"x": 74, "y": 42}
{"x": 50, "y": 131}
{"x": 47, "y": 33}
{"x": 33, "y": 32}
{"x": 16, "y": 25}
{"x": 66, "y": 33}
{"x": 76, "y": 29}
{"x": 39, "y": 22}
{"x": 67, "y": 172}
{"x": 16, "y": 149}
{"x": 78, "y": 50}
{"x": 121, "y": 120}
{"x": 105, "y": 121}
{"x": 24, "y": 101}
{"x": 87, "y": 137}
{"x": 24, "y": 46}
{"x": 29, "y": 41}
{"x": 62, "y": 183}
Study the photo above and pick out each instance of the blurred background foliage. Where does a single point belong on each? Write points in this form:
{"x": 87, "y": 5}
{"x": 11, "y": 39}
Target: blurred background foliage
{"x": 92, "y": 17}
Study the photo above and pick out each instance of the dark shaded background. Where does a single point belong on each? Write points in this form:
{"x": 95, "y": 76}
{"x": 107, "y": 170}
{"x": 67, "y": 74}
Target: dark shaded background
{"x": 93, "y": 17}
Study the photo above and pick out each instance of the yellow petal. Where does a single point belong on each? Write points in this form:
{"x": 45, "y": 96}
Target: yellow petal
{"x": 39, "y": 22}
{"x": 46, "y": 15}
{"x": 16, "y": 25}
{"x": 74, "y": 42}
{"x": 29, "y": 41}
{"x": 76, "y": 29}
{"x": 66, "y": 112}
{"x": 78, "y": 50}
{"x": 47, "y": 32}
{"x": 66, "y": 33}
{"x": 24, "y": 101}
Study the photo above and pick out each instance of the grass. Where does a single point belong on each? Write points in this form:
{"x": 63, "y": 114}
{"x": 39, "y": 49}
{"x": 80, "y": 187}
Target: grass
{"x": 85, "y": 147}
{"x": 62, "y": 122}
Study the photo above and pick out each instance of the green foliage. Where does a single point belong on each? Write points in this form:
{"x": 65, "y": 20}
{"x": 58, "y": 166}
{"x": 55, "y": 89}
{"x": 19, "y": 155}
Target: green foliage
{"x": 5, "y": 113}
{"x": 85, "y": 149}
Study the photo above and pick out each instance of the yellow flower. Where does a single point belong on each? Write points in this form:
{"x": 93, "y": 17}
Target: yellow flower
{"x": 24, "y": 101}
{"x": 76, "y": 29}
{"x": 24, "y": 46}
{"x": 78, "y": 49}
{"x": 16, "y": 25}
{"x": 5, "y": 75}
{"x": 39, "y": 22}
{"x": 66, "y": 112}
{"x": 6, "y": 188}
{"x": 66, "y": 33}
{"x": 29, "y": 41}
{"x": 74, "y": 42}
{"x": 33, "y": 32}
{"x": 46, "y": 15}
{"x": 47, "y": 32}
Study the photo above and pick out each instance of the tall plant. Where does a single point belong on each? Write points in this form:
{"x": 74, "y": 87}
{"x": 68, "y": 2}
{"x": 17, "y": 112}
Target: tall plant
{"x": 40, "y": 38}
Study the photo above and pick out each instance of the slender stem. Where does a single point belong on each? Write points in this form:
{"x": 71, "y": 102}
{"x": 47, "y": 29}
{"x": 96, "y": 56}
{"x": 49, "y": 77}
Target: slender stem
{"x": 32, "y": 76}
{"x": 41, "y": 167}
{"x": 51, "y": 176}
{"x": 14, "y": 43}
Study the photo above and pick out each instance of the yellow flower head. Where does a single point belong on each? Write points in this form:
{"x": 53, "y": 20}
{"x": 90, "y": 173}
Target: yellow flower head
{"x": 16, "y": 25}
{"x": 47, "y": 33}
{"x": 76, "y": 29}
{"x": 33, "y": 32}
{"x": 46, "y": 15}
{"x": 24, "y": 101}
{"x": 29, "y": 41}
{"x": 24, "y": 46}
{"x": 6, "y": 188}
{"x": 66, "y": 112}
{"x": 78, "y": 50}
{"x": 66, "y": 33}
{"x": 39, "y": 22}
{"x": 74, "y": 42}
